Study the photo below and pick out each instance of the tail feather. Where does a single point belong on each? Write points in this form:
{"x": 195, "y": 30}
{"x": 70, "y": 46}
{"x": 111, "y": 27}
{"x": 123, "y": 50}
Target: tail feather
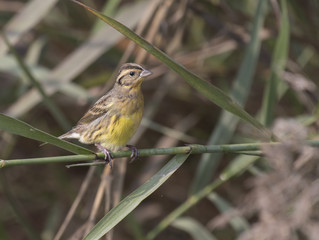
{"x": 70, "y": 134}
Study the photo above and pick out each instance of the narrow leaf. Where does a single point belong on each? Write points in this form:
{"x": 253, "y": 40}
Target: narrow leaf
{"x": 20, "y": 128}
{"x": 193, "y": 228}
{"x": 77, "y": 61}
{"x": 211, "y": 92}
{"x": 52, "y": 107}
{"x": 33, "y": 12}
{"x": 278, "y": 64}
{"x": 129, "y": 203}
{"x": 233, "y": 169}
{"x": 227, "y": 122}
{"x": 238, "y": 223}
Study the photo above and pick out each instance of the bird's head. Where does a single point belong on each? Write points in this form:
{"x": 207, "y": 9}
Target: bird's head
{"x": 130, "y": 76}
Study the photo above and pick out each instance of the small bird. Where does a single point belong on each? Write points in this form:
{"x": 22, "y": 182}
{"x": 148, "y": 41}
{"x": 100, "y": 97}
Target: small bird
{"x": 115, "y": 117}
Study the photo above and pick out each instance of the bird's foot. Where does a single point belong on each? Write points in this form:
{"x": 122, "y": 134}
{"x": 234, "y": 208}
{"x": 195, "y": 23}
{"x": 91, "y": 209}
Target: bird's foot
{"x": 108, "y": 155}
{"x": 134, "y": 154}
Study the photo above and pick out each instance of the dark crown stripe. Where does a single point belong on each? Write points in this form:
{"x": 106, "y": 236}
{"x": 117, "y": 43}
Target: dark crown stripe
{"x": 129, "y": 66}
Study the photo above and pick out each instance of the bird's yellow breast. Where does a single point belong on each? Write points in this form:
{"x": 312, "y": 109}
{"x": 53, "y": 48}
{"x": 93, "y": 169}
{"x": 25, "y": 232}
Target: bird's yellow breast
{"x": 121, "y": 131}
{"x": 122, "y": 126}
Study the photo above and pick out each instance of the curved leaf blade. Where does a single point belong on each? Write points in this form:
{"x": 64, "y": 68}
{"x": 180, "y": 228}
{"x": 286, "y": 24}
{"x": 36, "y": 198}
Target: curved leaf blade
{"x": 24, "y": 20}
{"x": 128, "y": 204}
{"x": 211, "y": 92}
{"x": 20, "y": 128}
{"x": 193, "y": 228}
{"x": 78, "y": 60}
{"x": 278, "y": 64}
{"x": 227, "y": 122}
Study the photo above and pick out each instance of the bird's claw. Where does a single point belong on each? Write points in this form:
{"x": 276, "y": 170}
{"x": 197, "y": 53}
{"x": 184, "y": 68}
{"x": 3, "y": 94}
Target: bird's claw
{"x": 108, "y": 155}
{"x": 134, "y": 153}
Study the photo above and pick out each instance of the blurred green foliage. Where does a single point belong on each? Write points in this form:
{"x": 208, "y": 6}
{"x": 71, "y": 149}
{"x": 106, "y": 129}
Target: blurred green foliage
{"x": 271, "y": 57}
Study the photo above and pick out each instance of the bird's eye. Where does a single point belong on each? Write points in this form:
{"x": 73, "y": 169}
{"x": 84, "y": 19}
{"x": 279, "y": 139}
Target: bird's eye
{"x": 132, "y": 73}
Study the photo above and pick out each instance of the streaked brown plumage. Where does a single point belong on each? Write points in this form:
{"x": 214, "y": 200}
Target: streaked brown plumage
{"x": 115, "y": 117}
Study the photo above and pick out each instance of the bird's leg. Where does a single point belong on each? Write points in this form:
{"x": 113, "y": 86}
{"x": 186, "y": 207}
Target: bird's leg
{"x": 134, "y": 154}
{"x": 108, "y": 155}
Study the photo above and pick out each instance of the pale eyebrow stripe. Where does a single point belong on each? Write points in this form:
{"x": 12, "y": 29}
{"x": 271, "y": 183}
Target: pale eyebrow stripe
{"x": 125, "y": 72}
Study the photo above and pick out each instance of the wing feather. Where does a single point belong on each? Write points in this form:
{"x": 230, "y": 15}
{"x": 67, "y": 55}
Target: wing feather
{"x": 98, "y": 110}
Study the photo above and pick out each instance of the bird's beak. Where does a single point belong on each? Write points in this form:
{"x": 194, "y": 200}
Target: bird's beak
{"x": 145, "y": 73}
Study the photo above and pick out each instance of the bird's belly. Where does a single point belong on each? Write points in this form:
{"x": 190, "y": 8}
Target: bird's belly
{"x": 120, "y": 131}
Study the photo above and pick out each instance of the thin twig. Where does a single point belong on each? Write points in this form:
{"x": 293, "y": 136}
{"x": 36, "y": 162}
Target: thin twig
{"x": 196, "y": 149}
{"x": 98, "y": 199}
{"x": 76, "y": 202}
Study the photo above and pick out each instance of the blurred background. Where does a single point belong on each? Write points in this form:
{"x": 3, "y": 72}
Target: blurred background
{"x": 75, "y": 57}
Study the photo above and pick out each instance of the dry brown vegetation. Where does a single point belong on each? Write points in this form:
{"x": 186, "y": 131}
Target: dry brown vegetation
{"x": 74, "y": 57}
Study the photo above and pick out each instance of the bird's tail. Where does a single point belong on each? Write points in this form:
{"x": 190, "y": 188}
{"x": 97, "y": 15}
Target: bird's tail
{"x": 70, "y": 134}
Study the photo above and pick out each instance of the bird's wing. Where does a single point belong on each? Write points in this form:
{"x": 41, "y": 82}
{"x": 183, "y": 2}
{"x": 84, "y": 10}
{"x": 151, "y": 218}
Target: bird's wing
{"x": 98, "y": 110}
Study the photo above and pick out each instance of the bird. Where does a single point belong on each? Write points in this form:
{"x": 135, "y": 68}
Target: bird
{"x": 111, "y": 122}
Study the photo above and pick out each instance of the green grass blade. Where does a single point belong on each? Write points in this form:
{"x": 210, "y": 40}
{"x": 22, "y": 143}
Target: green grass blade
{"x": 239, "y": 224}
{"x": 128, "y": 204}
{"x": 211, "y": 92}
{"x": 53, "y": 108}
{"x": 108, "y": 9}
{"x": 79, "y": 60}
{"x": 20, "y": 128}
{"x": 25, "y": 19}
{"x": 193, "y": 228}
{"x": 277, "y": 67}
{"x": 237, "y": 166}
{"x": 227, "y": 123}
